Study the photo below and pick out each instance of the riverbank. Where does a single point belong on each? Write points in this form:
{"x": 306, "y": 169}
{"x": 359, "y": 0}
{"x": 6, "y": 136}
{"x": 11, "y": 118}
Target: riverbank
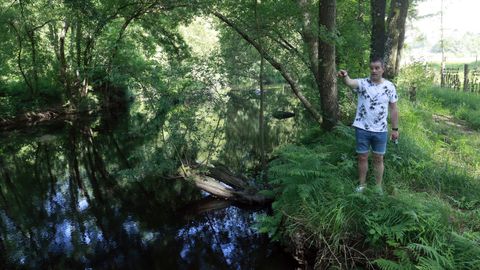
{"x": 41, "y": 117}
{"x": 45, "y": 117}
{"x": 15, "y": 113}
{"x": 427, "y": 218}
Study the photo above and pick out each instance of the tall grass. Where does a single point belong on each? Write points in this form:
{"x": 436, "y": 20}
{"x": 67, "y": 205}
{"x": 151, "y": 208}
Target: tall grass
{"x": 428, "y": 218}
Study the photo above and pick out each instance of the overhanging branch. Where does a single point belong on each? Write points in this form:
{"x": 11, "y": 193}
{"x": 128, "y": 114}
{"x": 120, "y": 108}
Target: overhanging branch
{"x": 276, "y": 64}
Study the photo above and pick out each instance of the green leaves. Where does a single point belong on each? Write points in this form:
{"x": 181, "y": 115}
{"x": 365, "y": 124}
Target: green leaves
{"x": 418, "y": 75}
{"x": 430, "y": 257}
{"x": 391, "y": 265}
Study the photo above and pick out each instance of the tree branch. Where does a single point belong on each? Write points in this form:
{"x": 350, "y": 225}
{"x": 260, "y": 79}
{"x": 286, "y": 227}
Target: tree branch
{"x": 277, "y": 65}
{"x": 19, "y": 55}
{"x": 283, "y": 43}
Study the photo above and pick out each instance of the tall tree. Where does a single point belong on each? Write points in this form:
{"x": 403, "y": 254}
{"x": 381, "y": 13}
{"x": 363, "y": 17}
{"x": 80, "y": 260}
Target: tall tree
{"x": 387, "y": 38}
{"x": 327, "y": 82}
{"x": 378, "y": 9}
{"x": 396, "y": 36}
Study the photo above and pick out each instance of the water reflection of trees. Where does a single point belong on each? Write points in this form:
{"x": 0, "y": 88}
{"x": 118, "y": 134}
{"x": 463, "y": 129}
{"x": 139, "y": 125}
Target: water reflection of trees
{"x": 62, "y": 204}
{"x": 241, "y": 149}
{"x": 93, "y": 196}
{"x": 224, "y": 238}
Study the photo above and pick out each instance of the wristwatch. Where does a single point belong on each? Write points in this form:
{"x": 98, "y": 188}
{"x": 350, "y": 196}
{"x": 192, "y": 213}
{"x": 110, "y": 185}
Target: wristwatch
{"x": 395, "y": 129}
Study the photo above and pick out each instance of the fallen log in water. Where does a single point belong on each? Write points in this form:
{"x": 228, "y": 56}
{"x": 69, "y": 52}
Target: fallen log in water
{"x": 226, "y": 176}
{"x": 212, "y": 186}
{"x": 221, "y": 183}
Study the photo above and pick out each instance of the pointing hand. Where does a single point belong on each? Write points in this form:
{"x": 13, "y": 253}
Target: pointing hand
{"x": 342, "y": 73}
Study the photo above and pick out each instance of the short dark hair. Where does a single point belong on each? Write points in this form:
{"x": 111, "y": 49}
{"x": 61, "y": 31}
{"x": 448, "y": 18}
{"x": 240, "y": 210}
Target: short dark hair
{"x": 378, "y": 59}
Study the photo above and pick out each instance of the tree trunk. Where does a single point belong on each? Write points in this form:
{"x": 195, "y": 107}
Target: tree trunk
{"x": 401, "y": 38}
{"x": 31, "y": 37}
{"x": 396, "y": 34}
{"x": 261, "y": 116}
{"x": 321, "y": 54}
{"x": 261, "y": 121}
{"x": 80, "y": 71}
{"x": 230, "y": 188}
{"x": 63, "y": 62}
{"x": 377, "y": 45}
{"x": 78, "y": 44}
{"x": 310, "y": 39}
{"x": 327, "y": 67}
{"x": 222, "y": 172}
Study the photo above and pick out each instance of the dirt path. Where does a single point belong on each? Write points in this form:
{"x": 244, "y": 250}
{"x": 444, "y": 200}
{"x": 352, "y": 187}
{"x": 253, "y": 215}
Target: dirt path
{"x": 457, "y": 124}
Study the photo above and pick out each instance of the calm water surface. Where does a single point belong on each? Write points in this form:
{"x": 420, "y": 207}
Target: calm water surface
{"x": 100, "y": 192}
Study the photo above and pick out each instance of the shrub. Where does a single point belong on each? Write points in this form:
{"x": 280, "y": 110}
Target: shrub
{"x": 417, "y": 74}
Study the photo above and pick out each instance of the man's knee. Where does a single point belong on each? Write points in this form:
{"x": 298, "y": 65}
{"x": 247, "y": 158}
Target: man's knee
{"x": 362, "y": 157}
{"x": 377, "y": 159}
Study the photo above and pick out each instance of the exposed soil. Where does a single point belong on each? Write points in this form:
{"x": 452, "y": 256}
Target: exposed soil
{"x": 452, "y": 122}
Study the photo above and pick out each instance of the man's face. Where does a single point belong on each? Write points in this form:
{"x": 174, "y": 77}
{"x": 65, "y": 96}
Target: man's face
{"x": 376, "y": 71}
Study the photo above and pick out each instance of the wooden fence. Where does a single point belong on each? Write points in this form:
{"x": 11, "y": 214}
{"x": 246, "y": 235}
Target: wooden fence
{"x": 467, "y": 79}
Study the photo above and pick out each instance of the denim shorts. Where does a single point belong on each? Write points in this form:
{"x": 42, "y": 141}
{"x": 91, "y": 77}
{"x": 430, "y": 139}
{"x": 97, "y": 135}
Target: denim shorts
{"x": 366, "y": 139}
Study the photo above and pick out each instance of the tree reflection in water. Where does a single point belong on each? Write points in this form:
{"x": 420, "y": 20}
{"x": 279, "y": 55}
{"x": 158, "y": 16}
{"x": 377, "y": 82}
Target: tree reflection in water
{"x": 94, "y": 194}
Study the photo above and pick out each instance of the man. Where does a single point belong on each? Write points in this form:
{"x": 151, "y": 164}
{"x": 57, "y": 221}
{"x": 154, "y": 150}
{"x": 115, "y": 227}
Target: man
{"x": 375, "y": 94}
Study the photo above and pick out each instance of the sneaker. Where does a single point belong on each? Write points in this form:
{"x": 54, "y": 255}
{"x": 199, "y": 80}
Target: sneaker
{"x": 360, "y": 188}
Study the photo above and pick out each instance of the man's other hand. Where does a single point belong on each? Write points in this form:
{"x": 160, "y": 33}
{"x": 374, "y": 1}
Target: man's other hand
{"x": 394, "y": 135}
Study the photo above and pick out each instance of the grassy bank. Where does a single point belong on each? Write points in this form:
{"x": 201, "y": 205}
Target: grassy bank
{"x": 429, "y": 217}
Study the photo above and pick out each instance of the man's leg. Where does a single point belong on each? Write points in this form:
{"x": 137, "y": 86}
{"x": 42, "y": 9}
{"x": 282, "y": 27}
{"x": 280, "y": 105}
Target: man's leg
{"x": 362, "y": 168}
{"x": 379, "y": 146}
{"x": 378, "y": 168}
{"x": 362, "y": 138}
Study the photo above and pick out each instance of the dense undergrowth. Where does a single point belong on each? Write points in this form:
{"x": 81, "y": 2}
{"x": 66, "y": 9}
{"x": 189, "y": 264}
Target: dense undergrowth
{"x": 429, "y": 216}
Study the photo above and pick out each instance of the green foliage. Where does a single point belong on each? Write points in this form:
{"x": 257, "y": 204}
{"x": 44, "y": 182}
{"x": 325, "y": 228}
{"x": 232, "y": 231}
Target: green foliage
{"x": 7, "y": 108}
{"x": 15, "y": 100}
{"x": 353, "y": 47}
{"x": 390, "y": 265}
{"x": 418, "y": 224}
{"x": 106, "y": 43}
{"x": 125, "y": 44}
{"x": 417, "y": 74}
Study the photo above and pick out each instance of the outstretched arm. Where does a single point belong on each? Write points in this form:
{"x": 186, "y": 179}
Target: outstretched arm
{"x": 346, "y": 79}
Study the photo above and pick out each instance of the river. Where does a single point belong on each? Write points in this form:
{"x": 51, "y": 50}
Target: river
{"x": 100, "y": 192}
